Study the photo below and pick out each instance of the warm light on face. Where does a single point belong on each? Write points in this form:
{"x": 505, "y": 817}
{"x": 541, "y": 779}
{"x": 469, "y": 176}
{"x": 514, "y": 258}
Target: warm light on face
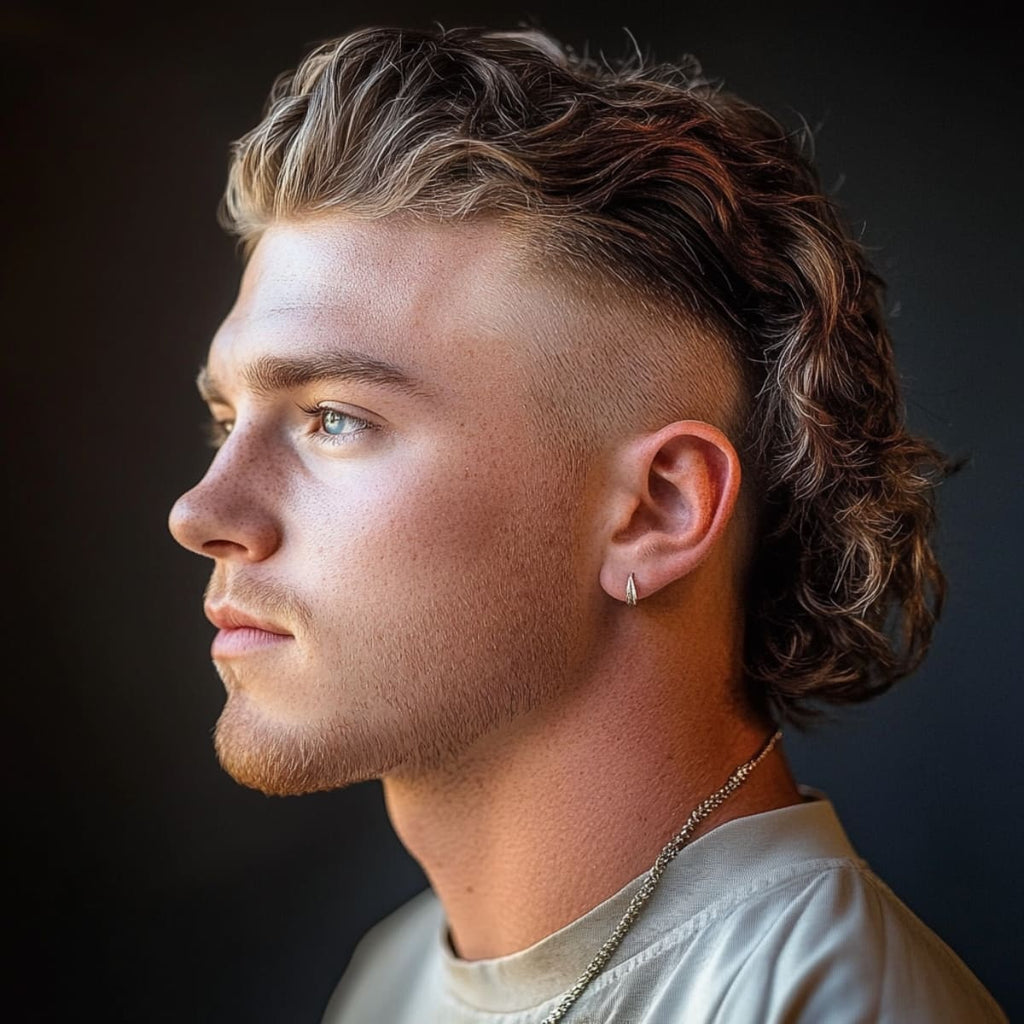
{"x": 381, "y": 504}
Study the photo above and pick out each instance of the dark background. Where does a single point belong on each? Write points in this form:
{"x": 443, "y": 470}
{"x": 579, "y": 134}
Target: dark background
{"x": 155, "y": 889}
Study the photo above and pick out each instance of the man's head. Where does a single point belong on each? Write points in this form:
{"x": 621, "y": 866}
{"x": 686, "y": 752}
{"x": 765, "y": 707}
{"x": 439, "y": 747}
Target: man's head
{"x": 510, "y": 326}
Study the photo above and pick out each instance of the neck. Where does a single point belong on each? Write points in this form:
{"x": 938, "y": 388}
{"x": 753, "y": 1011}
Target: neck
{"x": 551, "y": 815}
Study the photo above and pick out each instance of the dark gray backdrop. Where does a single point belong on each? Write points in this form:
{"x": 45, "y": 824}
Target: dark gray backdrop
{"x": 157, "y": 890}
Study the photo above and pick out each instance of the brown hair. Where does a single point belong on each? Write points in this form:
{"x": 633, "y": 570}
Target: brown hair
{"x": 696, "y": 203}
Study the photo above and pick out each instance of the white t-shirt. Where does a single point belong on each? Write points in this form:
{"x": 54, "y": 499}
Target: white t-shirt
{"x": 766, "y": 919}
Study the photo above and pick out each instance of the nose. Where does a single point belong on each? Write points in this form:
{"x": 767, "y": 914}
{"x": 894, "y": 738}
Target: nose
{"x": 230, "y": 512}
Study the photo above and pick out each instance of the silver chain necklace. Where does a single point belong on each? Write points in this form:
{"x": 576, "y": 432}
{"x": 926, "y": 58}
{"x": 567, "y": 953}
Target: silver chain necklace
{"x": 643, "y": 894}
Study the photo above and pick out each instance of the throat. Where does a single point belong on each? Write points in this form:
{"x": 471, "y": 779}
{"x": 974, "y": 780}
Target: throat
{"x": 519, "y": 852}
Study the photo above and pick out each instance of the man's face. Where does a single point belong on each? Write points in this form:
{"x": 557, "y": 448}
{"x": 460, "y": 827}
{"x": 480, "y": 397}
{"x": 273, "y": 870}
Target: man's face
{"x": 382, "y": 507}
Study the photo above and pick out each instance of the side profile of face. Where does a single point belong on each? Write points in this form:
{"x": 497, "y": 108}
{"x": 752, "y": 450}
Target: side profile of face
{"x": 397, "y": 564}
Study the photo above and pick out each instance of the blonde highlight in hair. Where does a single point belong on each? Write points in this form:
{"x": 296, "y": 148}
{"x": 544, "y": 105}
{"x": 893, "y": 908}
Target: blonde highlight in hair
{"x": 695, "y": 203}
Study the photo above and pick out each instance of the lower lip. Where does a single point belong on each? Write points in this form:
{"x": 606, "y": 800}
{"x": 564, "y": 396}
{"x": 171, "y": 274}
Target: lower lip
{"x": 232, "y": 643}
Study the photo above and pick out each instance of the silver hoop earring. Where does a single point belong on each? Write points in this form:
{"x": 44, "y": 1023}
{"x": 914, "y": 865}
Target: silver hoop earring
{"x": 631, "y": 591}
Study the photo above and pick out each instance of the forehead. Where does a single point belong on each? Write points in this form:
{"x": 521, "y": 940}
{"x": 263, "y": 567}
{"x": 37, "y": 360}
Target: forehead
{"x": 435, "y": 298}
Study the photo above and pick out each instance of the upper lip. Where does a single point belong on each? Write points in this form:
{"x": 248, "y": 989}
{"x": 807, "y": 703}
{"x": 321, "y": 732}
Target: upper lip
{"x": 226, "y": 616}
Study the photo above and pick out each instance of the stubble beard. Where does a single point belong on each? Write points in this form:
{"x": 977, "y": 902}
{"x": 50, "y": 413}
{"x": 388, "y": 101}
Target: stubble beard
{"x": 432, "y": 681}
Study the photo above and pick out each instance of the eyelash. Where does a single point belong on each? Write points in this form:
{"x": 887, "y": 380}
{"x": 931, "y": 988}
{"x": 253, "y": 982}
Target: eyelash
{"x": 218, "y": 431}
{"x": 316, "y": 412}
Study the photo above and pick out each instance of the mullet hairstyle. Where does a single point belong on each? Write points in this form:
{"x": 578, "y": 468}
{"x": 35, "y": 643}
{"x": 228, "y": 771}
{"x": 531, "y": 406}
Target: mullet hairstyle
{"x": 696, "y": 203}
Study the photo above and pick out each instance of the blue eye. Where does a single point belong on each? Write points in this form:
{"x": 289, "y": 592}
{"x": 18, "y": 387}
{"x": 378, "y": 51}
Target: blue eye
{"x": 333, "y": 422}
{"x": 334, "y": 426}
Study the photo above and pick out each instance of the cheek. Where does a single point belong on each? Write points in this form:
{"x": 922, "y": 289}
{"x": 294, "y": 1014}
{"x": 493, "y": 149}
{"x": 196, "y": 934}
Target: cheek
{"x": 410, "y": 525}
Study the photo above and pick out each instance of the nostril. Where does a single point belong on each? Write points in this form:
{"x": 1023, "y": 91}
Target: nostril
{"x": 222, "y": 548}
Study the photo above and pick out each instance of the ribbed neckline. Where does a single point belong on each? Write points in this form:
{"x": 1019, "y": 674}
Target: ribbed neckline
{"x": 725, "y": 860}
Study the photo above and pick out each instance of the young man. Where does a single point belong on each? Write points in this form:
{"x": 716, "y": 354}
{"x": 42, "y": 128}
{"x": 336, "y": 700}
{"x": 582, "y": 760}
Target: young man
{"x": 561, "y": 461}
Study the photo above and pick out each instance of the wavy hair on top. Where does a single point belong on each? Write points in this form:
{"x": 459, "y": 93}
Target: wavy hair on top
{"x": 696, "y": 202}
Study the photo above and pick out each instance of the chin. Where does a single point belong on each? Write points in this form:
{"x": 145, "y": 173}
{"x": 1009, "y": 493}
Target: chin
{"x": 282, "y": 759}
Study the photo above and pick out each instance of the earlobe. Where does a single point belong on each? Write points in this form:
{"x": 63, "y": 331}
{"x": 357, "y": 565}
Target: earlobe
{"x": 674, "y": 496}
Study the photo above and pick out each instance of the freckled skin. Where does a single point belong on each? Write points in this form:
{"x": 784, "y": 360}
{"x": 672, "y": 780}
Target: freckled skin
{"x": 426, "y": 569}
{"x": 453, "y": 579}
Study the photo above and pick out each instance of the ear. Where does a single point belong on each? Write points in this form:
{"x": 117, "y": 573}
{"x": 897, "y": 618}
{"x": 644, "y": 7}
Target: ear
{"x": 672, "y": 496}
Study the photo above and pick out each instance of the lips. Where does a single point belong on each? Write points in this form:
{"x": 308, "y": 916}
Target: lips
{"x": 227, "y": 617}
{"x": 241, "y": 633}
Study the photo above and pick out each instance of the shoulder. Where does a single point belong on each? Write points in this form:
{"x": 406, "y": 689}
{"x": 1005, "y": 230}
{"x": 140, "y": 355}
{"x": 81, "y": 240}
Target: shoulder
{"x": 833, "y": 942}
{"x": 397, "y": 949}
{"x": 416, "y": 921}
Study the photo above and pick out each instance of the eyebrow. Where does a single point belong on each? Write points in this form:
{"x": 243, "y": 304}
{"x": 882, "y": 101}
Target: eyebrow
{"x": 269, "y": 375}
